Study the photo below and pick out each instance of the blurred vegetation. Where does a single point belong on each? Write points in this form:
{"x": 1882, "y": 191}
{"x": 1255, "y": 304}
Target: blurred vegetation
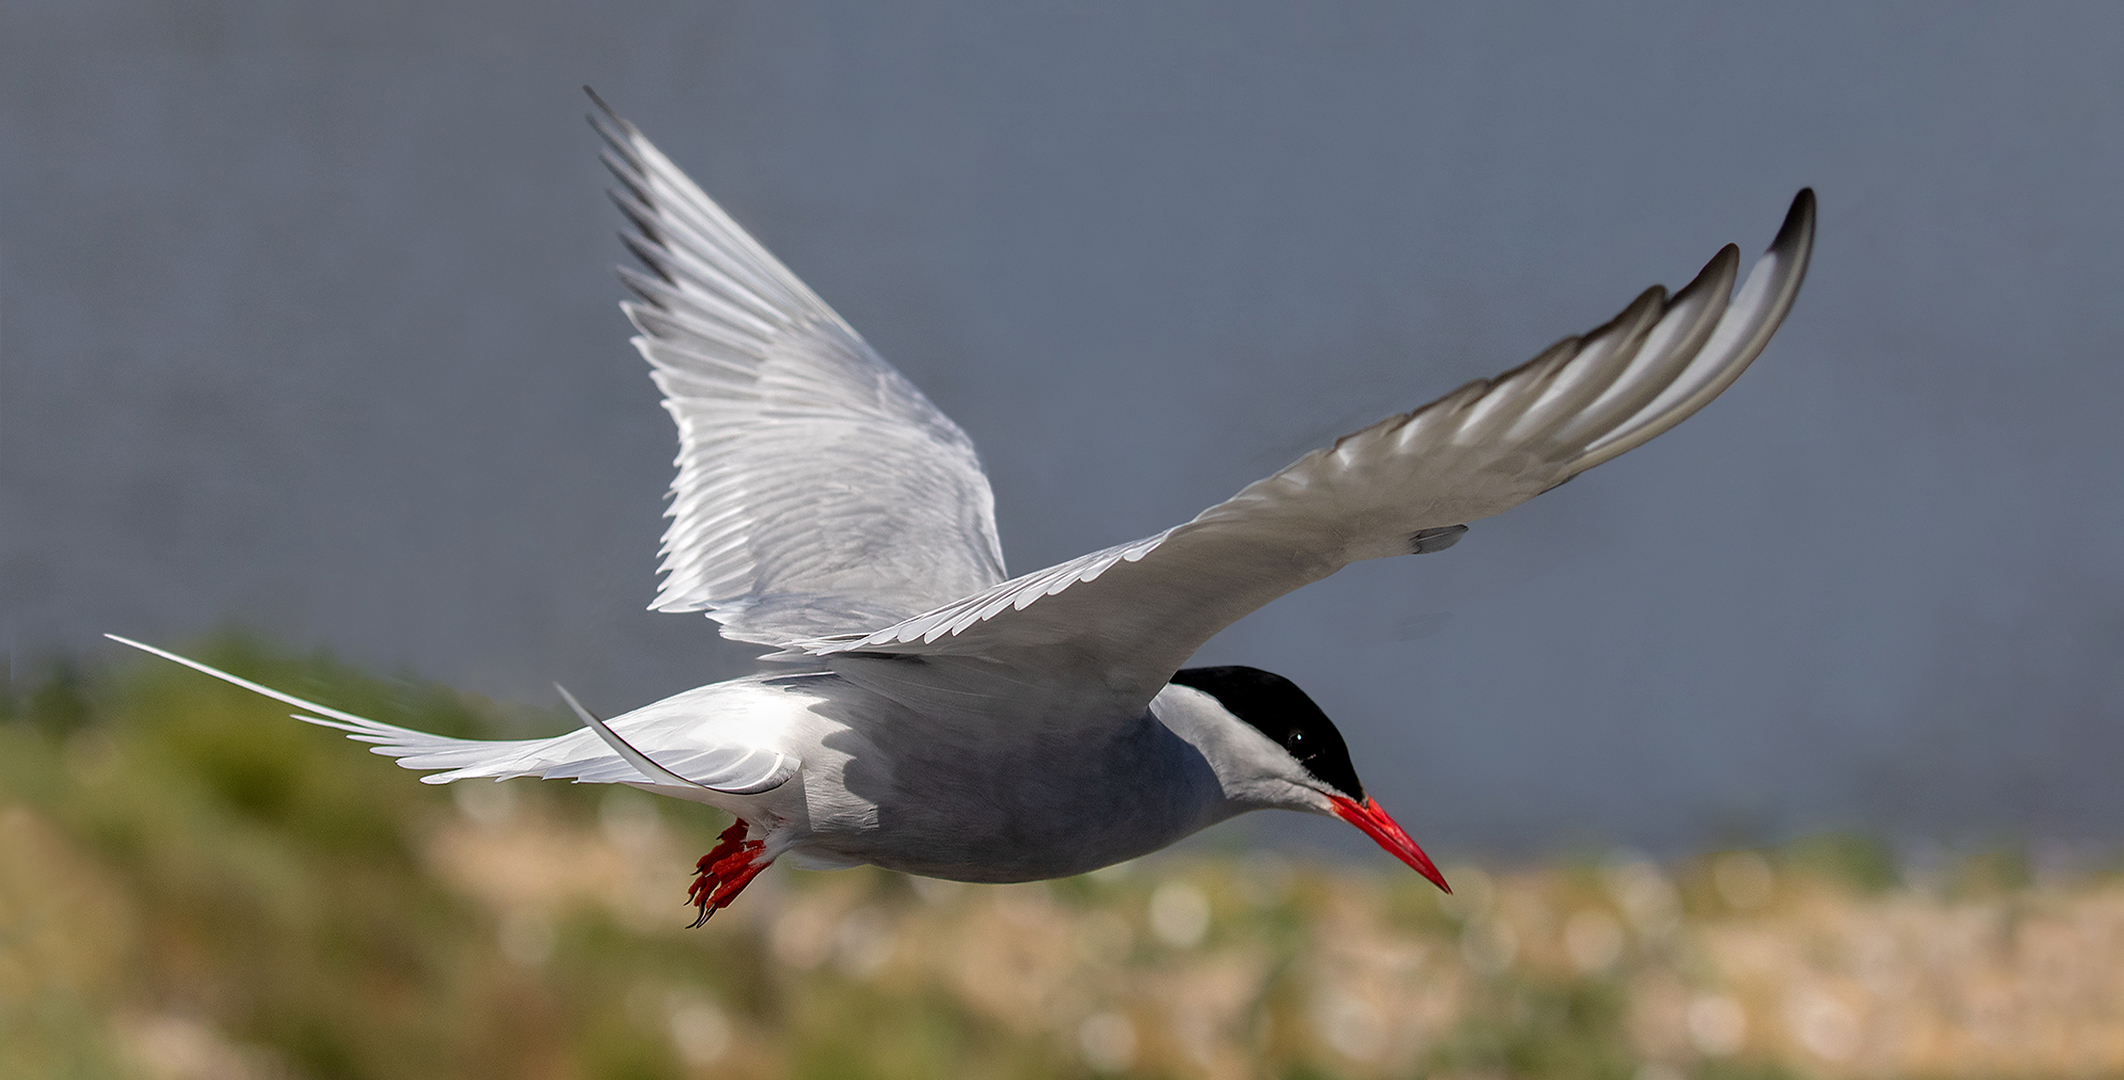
{"x": 194, "y": 886}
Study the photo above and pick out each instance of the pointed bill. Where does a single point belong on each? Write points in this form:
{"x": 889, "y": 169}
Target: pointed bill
{"x": 1375, "y": 823}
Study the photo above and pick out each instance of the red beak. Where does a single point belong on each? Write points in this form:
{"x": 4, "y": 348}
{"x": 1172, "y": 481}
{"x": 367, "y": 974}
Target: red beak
{"x": 1376, "y": 824}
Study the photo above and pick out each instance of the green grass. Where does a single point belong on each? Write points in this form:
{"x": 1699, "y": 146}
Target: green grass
{"x": 185, "y": 871}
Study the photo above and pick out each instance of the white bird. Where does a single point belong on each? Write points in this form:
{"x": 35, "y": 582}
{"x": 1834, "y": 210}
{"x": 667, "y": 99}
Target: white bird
{"x": 941, "y": 720}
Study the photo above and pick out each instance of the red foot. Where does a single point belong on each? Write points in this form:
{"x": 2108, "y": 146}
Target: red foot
{"x": 725, "y": 871}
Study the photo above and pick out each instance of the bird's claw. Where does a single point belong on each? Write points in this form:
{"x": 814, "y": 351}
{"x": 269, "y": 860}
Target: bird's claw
{"x": 725, "y": 871}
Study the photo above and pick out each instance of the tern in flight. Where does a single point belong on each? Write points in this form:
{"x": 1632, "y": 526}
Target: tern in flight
{"x": 938, "y": 717}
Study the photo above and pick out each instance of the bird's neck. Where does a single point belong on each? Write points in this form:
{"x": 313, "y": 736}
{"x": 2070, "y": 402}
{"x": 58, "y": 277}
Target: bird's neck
{"x": 1230, "y": 751}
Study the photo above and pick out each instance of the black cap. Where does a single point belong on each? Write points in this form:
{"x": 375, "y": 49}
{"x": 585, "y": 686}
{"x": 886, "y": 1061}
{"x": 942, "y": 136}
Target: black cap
{"x": 1274, "y": 706}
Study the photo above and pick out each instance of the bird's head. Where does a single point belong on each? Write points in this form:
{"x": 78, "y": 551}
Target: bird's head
{"x": 1284, "y": 752}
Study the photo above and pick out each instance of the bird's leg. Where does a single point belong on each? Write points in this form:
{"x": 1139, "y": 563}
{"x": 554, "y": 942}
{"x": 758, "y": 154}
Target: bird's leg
{"x": 729, "y": 843}
{"x": 725, "y": 871}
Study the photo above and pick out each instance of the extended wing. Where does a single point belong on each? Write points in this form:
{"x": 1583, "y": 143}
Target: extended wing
{"x": 1121, "y": 621}
{"x": 818, "y": 491}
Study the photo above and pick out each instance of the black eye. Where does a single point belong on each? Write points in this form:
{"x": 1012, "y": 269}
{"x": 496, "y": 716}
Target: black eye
{"x": 1295, "y": 739}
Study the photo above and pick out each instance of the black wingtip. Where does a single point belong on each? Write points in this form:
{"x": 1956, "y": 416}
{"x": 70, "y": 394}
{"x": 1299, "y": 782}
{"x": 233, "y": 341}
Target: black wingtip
{"x": 1722, "y": 268}
{"x": 611, "y": 125}
{"x": 1799, "y": 221}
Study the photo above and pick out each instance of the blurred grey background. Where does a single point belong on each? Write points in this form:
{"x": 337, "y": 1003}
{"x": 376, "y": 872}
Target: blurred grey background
{"x": 307, "y": 323}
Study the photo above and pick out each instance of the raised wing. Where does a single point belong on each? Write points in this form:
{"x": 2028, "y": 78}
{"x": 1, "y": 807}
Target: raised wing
{"x": 818, "y": 491}
{"x": 1126, "y": 618}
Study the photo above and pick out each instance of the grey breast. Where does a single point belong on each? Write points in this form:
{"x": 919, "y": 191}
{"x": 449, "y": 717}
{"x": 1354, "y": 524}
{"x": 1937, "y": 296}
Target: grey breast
{"x": 1029, "y": 807}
